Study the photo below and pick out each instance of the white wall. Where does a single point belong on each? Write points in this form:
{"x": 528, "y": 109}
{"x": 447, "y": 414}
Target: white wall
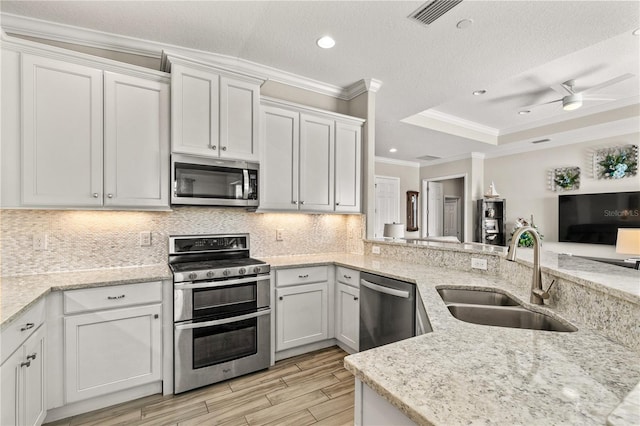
{"x": 523, "y": 180}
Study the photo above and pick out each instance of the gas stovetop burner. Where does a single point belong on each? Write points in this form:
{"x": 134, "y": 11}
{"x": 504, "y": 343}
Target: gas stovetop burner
{"x": 212, "y": 257}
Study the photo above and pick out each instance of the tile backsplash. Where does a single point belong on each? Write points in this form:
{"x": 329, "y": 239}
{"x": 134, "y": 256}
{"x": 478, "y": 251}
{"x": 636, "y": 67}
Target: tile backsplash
{"x": 78, "y": 240}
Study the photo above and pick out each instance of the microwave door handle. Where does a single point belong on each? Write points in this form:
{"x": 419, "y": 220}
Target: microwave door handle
{"x": 245, "y": 185}
{"x": 222, "y": 321}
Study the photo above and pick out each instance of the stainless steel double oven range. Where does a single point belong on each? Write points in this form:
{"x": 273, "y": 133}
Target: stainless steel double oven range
{"x": 221, "y": 306}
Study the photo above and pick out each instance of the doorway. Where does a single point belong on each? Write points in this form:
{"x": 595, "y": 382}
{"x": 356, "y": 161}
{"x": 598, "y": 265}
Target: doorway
{"x": 444, "y": 207}
{"x": 387, "y": 203}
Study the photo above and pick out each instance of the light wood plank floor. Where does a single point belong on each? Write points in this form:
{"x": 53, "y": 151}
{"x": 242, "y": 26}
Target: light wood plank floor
{"x": 310, "y": 389}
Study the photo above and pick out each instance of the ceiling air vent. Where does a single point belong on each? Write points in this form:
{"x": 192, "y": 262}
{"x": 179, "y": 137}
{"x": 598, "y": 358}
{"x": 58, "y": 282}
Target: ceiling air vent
{"x": 428, "y": 158}
{"x": 433, "y": 10}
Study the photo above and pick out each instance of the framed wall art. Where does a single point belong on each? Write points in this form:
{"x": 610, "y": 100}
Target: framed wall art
{"x": 616, "y": 163}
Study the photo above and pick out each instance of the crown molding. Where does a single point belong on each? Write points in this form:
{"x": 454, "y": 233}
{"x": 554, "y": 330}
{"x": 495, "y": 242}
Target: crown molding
{"x": 25, "y": 26}
{"x": 460, "y": 122}
{"x": 465, "y": 156}
{"x": 386, "y": 160}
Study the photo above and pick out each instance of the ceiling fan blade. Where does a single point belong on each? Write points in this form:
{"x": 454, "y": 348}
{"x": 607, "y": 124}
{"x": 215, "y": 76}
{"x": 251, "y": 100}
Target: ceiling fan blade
{"x": 561, "y": 89}
{"x": 608, "y": 83}
{"x": 537, "y": 105}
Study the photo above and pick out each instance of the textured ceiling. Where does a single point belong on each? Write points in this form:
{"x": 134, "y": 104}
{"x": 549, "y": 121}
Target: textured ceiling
{"x": 514, "y": 50}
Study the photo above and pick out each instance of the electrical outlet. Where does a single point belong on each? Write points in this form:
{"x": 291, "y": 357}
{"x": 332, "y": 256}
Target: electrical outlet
{"x": 375, "y": 249}
{"x": 479, "y": 263}
{"x": 279, "y": 234}
{"x": 40, "y": 242}
{"x": 145, "y": 238}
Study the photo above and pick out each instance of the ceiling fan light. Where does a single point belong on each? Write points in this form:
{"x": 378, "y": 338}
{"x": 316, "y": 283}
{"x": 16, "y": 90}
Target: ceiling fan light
{"x": 572, "y": 102}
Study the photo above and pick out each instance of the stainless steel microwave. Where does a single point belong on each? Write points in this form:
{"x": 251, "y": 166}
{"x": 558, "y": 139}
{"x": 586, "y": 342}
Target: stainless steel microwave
{"x": 213, "y": 182}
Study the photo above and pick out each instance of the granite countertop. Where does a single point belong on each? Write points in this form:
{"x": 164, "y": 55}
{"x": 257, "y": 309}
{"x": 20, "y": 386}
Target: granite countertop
{"x": 18, "y": 293}
{"x": 463, "y": 373}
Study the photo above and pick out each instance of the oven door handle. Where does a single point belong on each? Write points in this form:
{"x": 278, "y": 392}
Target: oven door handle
{"x": 222, "y": 321}
{"x": 209, "y": 284}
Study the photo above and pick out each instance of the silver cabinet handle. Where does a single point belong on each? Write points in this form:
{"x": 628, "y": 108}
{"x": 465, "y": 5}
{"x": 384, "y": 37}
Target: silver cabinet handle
{"x": 281, "y": 298}
{"x": 355, "y": 298}
{"x": 338, "y": 203}
{"x": 303, "y": 276}
{"x": 213, "y": 147}
{"x": 224, "y": 148}
{"x": 301, "y": 202}
{"x": 28, "y": 326}
{"x": 32, "y": 356}
{"x": 222, "y": 321}
{"x": 110, "y": 195}
{"x": 96, "y": 195}
{"x": 25, "y": 364}
{"x": 347, "y": 277}
{"x": 294, "y": 202}
{"x": 115, "y": 297}
{"x": 385, "y": 290}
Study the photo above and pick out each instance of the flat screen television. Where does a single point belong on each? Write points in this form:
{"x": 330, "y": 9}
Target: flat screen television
{"x": 595, "y": 218}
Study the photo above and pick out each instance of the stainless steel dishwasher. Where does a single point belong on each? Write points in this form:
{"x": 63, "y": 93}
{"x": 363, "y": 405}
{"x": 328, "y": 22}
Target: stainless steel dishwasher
{"x": 387, "y": 310}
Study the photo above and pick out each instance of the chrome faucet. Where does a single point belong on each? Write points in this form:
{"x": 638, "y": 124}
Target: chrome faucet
{"x": 537, "y": 293}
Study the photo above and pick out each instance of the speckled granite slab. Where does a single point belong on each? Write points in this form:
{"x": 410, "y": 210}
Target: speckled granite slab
{"x": 19, "y": 293}
{"x": 472, "y": 374}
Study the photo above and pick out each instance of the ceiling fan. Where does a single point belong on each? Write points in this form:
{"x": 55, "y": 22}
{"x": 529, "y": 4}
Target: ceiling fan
{"x": 572, "y": 100}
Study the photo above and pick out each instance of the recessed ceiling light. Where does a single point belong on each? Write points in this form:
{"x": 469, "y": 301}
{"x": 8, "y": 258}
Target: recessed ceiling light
{"x": 393, "y": 150}
{"x": 636, "y": 32}
{"x": 326, "y": 42}
{"x": 479, "y": 92}
{"x": 524, "y": 112}
{"x": 464, "y": 24}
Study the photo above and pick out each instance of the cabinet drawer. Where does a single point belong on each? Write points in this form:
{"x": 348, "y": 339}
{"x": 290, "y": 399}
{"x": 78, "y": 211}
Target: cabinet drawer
{"x": 20, "y": 329}
{"x": 312, "y": 274}
{"x": 118, "y": 296}
{"x": 348, "y": 276}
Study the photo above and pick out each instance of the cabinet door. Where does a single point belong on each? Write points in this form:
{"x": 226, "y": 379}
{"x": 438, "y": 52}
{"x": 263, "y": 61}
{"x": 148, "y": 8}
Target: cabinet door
{"x": 108, "y": 351}
{"x": 316, "y": 163}
{"x": 301, "y": 315}
{"x": 136, "y": 132}
{"x": 195, "y": 125}
{"x": 348, "y": 315}
{"x": 10, "y": 388}
{"x": 347, "y": 167}
{"x": 279, "y": 159}
{"x": 62, "y": 133}
{"x": 239, "y": 102}
{"x": 34, "y": 408}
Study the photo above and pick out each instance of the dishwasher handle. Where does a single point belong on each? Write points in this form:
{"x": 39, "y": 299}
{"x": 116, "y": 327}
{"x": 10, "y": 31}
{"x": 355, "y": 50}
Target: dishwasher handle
{"x": 385, "y": 290}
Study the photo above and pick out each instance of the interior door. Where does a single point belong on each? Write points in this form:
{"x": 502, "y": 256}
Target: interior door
{"x": 451, "y": 217}
{"x": 387, "y": 203}
{"x": 435, "y": 209}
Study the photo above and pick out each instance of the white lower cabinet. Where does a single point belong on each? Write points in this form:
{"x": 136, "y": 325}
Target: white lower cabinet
{"x": 348, "y": 315}
{"x": 112, "y": 350}
{"x": 23, "y": 383}
{"x": 302, "y": 306}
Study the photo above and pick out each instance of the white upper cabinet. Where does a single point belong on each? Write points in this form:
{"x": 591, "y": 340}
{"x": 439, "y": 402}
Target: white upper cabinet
{"x": 348, "y": 167}
{"x": 317, "y": 144}
{"x": 195, "y": 123}
{"x": 279, "y": 159}
{"x": 136, "y": 141}
{"x": 239, "y": 108}
{"x": 62, "y": 133}
{"x": 310, "y": 160}
{"x": 92, "y": 138}
{"x": 213, "y": 114}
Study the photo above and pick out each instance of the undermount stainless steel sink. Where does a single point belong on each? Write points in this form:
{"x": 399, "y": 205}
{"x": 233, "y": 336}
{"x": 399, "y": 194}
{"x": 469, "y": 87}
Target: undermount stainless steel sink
{"x": 508, "y": 316}
{"x": 488, "y": 307}
{"x": 476, "y": 297}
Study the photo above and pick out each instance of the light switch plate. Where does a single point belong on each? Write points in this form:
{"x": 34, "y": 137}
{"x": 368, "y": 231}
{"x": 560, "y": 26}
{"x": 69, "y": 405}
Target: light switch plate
{"x": 145, "y": 238}
{"x": 40, "y": 242}
{"x": 279, "y": 234}
{"x": 375, "y": 249}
